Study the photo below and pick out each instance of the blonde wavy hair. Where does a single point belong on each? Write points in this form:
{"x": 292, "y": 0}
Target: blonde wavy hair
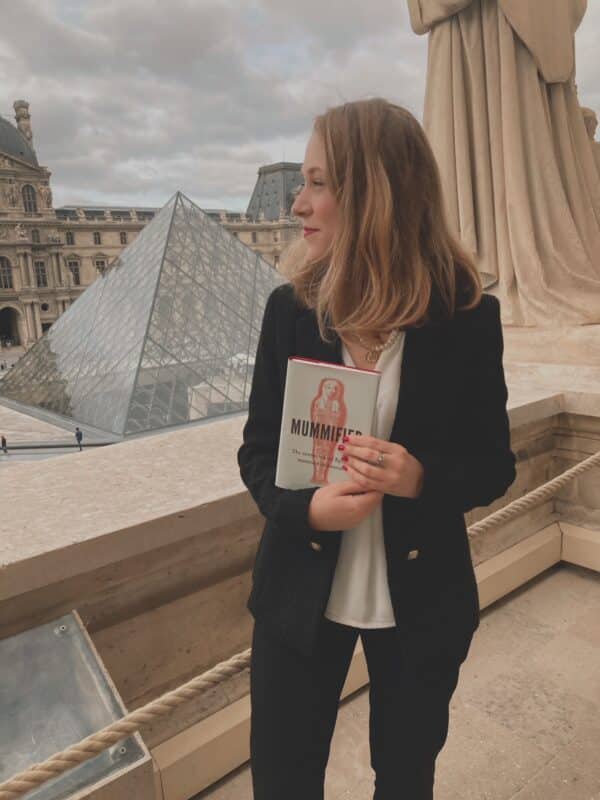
{"x": 393, "y": 262}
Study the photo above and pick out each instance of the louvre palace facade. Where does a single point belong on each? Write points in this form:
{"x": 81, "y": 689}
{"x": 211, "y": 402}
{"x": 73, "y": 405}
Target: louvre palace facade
{"x": 49, "y": 256}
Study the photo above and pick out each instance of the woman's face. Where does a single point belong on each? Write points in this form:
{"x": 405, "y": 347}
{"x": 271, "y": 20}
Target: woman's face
{"x": 315, "y": 204}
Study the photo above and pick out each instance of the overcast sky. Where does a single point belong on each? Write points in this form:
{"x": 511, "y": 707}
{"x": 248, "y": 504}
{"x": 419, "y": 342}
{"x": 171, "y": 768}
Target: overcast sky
{"x": 132, "y": 100}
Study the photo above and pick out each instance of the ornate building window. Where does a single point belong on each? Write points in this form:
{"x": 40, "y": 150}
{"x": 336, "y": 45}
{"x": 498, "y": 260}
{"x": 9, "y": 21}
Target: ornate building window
{"x": 97, "y": 237}
{"x": 101, "y": 265}
{"x": 123, "y": 237}
{"x": 29, "y": 199}
{"x": 41, "y": 276}
{"x": 70, "y": 237}
{"x": 6, "y": 281}
{"x": 35, "y": 236}
{"x": 75, "y": 271}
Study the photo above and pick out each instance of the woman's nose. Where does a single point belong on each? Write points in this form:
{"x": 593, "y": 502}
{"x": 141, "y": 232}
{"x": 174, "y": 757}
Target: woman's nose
{"x": 299, "y": 206}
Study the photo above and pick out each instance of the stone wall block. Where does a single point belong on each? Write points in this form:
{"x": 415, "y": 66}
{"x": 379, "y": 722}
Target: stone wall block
{"x": 153, "y": 652}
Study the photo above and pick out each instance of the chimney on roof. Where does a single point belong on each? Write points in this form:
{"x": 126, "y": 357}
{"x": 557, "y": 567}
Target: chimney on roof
{"x": 23, "y": 119}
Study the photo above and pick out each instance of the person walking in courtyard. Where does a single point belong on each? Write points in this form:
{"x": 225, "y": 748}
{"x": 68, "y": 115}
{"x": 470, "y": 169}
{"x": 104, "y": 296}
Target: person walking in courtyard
{"x": 79, "y": 437}
{"x": 376, "y": 282}
{"x": 3, "y": 444}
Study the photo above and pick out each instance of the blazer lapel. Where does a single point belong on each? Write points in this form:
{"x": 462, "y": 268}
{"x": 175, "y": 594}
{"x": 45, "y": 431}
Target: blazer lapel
{"x": 309, "y": 343}
{"x": 408, "y": 407}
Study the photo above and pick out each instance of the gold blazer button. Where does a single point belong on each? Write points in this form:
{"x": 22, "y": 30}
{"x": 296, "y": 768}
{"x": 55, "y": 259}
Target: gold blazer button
{"x": 412, "y": 554}
{"x": 316, "y": 546}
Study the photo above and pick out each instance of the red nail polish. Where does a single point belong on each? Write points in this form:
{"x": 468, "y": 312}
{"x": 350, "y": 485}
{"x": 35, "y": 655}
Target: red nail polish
{"x": 344, "y": 467}
{"x": 341, "y": 447}
{"x": 345, "y": 438}
{"x": 344, "y": 458}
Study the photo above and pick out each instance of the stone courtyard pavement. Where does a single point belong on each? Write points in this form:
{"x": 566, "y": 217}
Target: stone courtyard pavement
{"x": 28, "y": 436}
{"x": 525, "y": 718}
{"x": 21, "y": 428}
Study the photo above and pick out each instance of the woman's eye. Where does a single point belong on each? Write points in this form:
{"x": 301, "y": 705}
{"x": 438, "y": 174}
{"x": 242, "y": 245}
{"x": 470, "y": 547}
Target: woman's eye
{"x": 302, "y": 186}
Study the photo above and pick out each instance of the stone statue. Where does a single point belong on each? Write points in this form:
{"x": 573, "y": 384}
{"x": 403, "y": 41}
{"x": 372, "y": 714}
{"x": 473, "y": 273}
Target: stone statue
{"x": 23, "y": 119}
{"x": 591, "y": 123}
{"x": 3, "y": 233}
{"x": 46, "y": 194}
{"x": 20, "y": 231}
{"x": 10, "y": 192}
{"x": 519, "y": 175}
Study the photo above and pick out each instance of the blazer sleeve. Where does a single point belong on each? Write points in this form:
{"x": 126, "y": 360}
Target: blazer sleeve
{"x": 287, "y": 509}
{"x": 483, "y": 465}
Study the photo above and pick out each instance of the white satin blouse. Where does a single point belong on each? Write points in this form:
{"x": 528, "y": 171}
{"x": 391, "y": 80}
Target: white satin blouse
{"x": 360, "y": 594}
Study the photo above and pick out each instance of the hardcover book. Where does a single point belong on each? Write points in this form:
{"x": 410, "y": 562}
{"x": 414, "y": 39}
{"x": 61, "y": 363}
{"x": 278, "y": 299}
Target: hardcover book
{"x": 322, "y": 402}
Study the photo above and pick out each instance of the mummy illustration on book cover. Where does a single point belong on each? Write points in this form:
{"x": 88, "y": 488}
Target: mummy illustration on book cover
{"x": 322, "y": 402}
{"x": 328, "y": 410}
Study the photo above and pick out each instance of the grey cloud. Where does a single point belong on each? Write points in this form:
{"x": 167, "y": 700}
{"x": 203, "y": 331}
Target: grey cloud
{"x": 588, "y": 58}
{"x": 40, "y": 43}
{"x": 333, "y": 25}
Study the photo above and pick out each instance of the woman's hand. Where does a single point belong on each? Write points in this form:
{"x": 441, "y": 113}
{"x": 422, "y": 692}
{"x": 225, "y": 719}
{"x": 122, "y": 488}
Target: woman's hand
{"x": 400, "y": 474}
{"x": 339, "y": 506}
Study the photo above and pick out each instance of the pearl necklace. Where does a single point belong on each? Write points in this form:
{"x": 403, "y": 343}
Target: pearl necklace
{"x": 372, "y": 354}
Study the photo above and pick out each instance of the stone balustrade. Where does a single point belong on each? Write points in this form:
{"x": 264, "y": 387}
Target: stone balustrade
{"x": 152, "y": 540}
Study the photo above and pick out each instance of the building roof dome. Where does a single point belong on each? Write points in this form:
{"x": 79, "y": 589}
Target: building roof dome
{"x": 13, "y": 143}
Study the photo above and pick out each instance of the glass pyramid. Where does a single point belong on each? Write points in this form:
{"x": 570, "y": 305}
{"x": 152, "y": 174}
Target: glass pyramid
{"x": 167, "y": 335}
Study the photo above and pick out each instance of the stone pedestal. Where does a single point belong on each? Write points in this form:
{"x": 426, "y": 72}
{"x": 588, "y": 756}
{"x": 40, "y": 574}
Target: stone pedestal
{"x": 572, "y": 345}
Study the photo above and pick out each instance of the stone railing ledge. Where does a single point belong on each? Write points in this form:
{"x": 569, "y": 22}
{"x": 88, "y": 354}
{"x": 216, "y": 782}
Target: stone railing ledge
{"x": 78, "y": 512}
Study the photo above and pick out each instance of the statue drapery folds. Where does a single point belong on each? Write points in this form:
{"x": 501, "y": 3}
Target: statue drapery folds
{"x": 519, "y": 174}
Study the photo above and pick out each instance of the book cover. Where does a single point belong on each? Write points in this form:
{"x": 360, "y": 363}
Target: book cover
{"x": 322, "y": 403}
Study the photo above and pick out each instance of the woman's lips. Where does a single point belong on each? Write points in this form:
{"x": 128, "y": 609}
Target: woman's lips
{"x": 309, "y": 231}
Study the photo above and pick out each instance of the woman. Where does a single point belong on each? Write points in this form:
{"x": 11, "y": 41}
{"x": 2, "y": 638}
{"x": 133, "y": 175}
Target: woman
{"x": 379, "y": 283}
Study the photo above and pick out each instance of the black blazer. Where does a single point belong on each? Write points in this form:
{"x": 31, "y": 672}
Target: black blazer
{"x": 451, "y": 416}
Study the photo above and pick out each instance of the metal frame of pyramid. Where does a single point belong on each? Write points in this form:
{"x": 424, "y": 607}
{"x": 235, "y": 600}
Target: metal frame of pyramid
{"x": 166, "y": 336}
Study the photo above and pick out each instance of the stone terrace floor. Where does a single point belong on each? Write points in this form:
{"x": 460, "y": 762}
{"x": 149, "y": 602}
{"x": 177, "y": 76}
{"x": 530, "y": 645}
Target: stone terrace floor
{"x": 525, "y": 718}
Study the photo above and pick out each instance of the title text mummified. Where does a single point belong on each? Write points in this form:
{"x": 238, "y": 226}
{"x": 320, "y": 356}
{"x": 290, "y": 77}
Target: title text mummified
{"x": 318, "y": 430}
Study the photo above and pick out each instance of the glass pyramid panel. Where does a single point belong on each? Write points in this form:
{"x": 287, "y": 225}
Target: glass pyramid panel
{"x": 204, "y": 328}
{"x": 166, "y": 336}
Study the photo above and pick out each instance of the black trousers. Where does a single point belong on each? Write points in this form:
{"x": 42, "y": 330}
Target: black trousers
{"x": 295, "y": 704}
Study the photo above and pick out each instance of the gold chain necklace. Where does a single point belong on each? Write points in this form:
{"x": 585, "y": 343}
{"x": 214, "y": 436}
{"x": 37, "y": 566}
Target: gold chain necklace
{"x": 372, "y": 354}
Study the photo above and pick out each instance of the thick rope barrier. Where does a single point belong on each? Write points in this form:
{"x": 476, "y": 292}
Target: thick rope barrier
{"x": 533, "y": 498}
{"x": 97, "y": 742}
